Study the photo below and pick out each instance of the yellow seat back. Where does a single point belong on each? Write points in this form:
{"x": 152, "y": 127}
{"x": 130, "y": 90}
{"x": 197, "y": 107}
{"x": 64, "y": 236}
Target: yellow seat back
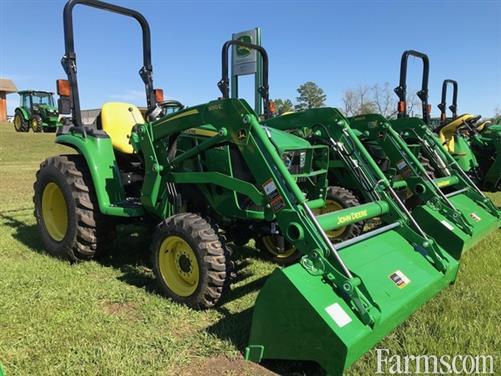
{"x": 117, "y": 120}
{"x": 484, "y": 125}
{"x": 446, "y": 134}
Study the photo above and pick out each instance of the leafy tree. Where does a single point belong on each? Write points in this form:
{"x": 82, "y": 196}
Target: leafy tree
{"x": 283, "y": 105}
{"x": 310, "y": 96}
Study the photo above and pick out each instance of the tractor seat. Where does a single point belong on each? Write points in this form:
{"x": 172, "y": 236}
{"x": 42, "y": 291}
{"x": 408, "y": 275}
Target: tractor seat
{"x": 483, "y": 126}
{"x": 447, "y": 132}
{"x": 117, "y": 120}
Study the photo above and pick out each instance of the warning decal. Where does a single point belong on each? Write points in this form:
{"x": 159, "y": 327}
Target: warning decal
{"x": 400, "y": 279}
{"x": 475, "y": 217}
{"x": 403, "y": 169}
{"x": 276, "y": 201}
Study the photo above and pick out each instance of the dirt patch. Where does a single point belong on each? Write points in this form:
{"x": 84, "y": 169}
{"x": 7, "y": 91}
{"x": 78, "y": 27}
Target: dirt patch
{"x": 222, "y": 366}
{"x": 124, "y": 309}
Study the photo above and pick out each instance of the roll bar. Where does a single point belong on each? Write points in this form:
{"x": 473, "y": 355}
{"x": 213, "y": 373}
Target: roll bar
{"x": 443, "y": 104}
{"x": 224, "y": 83}
{"x": 69, "y": 59}
{"x": 401, "y": 89}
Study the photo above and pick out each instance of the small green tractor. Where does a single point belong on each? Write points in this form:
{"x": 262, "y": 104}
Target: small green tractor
{"x": 36, "y": 111}
{"x": 475, "y": 146}
{"x": 217, "y": 173}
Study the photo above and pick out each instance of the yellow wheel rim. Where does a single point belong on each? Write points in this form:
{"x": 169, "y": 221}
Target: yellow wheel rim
{"x": 17, "y": 122}
{"x": 270, "y": 242}
{"x": 34, "y": 124}
{"x": 54, "y": 211}
{"x": 178, "y": 266}
{"x": 330, "y": 206}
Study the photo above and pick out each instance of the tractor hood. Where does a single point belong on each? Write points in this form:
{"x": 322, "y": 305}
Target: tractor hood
{"x": 47, "y": 108}
{"x": 287, "y": 141}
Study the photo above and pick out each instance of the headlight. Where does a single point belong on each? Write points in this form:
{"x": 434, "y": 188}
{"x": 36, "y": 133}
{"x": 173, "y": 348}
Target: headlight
{"x": 287, "y": 158}
{"x": 294, "y": 161}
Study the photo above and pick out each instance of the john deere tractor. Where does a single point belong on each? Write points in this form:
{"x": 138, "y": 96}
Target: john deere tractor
{"x": 36, "y": 111}
{"x": 213, "y": 170}
{"x": 475, "y": 145}
{"x": 370, "y": 160}
{"x": 428, "y": 178}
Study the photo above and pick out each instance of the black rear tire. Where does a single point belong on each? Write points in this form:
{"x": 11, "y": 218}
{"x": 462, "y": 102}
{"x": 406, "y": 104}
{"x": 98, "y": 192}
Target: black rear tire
{"x": 199, "y": 265}
{"x": 87, "y": 231}
{"x": 20, "y": 124}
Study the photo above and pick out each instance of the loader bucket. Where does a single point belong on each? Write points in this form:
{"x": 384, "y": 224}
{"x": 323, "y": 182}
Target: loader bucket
{"x": 449, "y": 236}
{"x": 297, "y": 316}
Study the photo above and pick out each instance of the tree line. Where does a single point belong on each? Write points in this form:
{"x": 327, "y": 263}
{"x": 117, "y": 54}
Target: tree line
{"x": 360, "y": 100}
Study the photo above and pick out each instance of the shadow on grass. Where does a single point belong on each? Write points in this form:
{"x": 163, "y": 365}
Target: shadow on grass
{"x": 130, "y": 255}
{"x": 26, "y": 234}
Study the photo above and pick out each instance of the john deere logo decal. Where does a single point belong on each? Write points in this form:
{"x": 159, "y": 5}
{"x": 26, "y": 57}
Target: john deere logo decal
{"x": 243, "y": 51}
{"x": 241, "y": 134}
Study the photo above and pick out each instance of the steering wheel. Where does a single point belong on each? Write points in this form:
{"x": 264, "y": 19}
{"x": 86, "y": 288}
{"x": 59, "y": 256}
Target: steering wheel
{"x": 171, "y": 103}
{"x": 470, "y": 124}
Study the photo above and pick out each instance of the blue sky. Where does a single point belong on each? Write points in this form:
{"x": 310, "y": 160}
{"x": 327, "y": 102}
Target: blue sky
{"x": 338, "y": 45}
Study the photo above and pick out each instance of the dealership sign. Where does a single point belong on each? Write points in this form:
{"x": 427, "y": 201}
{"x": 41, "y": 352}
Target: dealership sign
{"x": 244, "y": 60}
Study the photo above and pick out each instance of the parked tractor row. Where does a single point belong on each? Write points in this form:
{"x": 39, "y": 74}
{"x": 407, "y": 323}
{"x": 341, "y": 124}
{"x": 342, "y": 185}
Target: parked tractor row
{"x": 367, "y": 217}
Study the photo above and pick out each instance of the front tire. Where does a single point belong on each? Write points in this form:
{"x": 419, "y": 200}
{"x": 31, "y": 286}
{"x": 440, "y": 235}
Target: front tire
{"x": 66, "y": 209}
{"x": 339, "y": 198}
{"x": 278, "y": 250}
{"x": 36, "y": 123}
{"x": 190, "y": 261}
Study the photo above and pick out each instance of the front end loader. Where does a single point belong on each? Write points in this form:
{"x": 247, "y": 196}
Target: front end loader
{"x": 204, "y": 170}
{"x": 385, "y": 254}
{"x": 442, "y": 197}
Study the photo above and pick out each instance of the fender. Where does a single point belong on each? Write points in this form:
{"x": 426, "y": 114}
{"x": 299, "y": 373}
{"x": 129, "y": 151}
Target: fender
{"x": 100, "y": 158}
{"x": 23, "y": 112}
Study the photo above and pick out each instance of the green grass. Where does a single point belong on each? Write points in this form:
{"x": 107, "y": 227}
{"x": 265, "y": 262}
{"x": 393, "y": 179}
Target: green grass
{"x": 106, "y": 317}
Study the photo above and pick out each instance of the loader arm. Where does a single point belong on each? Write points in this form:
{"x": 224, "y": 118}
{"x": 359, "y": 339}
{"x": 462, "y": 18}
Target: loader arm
{"x": 330, "y": 126}
{"x": 415, "y": 128}
{"x": 235, "y": 123}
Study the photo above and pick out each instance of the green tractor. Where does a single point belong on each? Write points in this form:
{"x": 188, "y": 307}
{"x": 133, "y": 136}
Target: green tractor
{"x": 475, "y": 146}
{"x": 428, "y": 178}
{"x": 370, "y": 160}
{"x": 211, "y": 174}
{"x": 36, "y": 111}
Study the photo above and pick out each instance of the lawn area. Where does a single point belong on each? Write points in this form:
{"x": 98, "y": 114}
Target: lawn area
{"x": 106, "y": 317}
